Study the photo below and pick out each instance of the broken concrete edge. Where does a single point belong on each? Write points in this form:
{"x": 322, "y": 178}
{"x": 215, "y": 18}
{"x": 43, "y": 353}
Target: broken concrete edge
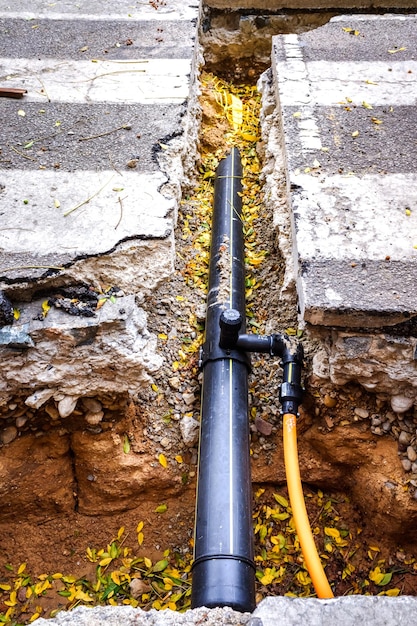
{"x": 312, "y": 5}
{"x": 118, "y": 331}
{"x": 65, "y": 357}
{"x": 344, "y": 611}
{"x": 368, "y": 356}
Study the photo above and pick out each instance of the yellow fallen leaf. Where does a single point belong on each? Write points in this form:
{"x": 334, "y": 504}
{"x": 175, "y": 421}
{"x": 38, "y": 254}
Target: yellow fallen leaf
{"x": 162, "y": 459}
{"x": 154, "y": 387}
{"x": 16, "y": 314}
{"x": 147, "y": 562}
{"x": 179, "y": 458}
{"x": 163, "y": 336}
{"x": 355, "y": 133}
{"x": 370, "y": 82}
{"x": 366, "y": 105}
{"x": 376, "y": 121}
{"x": 139, "y": 527}
{"x": 21, "y": 113}
{"x": 57, "y": 203}
{"x": 395, "y": 50}
{"x": 140, "y": 538}
{"x": 45, "y": 308}
{"x": 408, "y": 212}
{"x": 297, "y": 114}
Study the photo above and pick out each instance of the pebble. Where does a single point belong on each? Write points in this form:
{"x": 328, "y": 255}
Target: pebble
{"x": 189, "y": 398}
{"x": 8, "y": 434}
{"x": 52, "y": 411}
{"x": 21, "y": 421}
{"x": 362, "y": 413}
{"x": 94, "y": 418}
{"x": 386, "y": 426}
{"x": 329, "y": 401}
{"x": 376, "y": 421}
{"x": 404, "y": 438}
{"x": 190, "y": 429}
{"x": 401, "y": 404}
{"x": 12, "y": 407}
{"x": 411, "y": 454}
{"x": 174, "y": 382}
{"x": 165, "y": 442}
{"x": 264, "y": 427}
{"x": 67, "y": 405}
{"x": 406, "y": 463}
{"x": 92, "y": 405}
{"x": 414, "y": 468}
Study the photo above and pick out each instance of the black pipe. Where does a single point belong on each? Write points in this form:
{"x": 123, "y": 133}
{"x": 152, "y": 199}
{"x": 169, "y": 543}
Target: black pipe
{"x": 224, "y": 570}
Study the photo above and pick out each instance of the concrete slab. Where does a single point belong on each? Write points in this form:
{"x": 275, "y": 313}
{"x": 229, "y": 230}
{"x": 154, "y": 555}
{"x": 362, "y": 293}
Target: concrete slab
{"x": 347, "y": 94}
{"x": 306, "y": 5}
{"x": 346, "y": 611}
{"x": 92, "y": 162}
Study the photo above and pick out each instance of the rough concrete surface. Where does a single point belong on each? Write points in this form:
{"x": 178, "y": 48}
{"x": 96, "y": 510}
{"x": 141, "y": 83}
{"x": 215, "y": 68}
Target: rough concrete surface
{"x": 346, "y": 611}
{"x": 274, "y": 5}
{"x": 354, "y": 225}
{"x": 93, "y": 160}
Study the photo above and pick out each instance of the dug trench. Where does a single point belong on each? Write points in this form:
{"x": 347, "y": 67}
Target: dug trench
{"x": 98, "y": 506}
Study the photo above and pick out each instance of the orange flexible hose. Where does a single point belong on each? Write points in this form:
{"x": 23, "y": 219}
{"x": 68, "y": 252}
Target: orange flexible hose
{"x": 302, "y": 525}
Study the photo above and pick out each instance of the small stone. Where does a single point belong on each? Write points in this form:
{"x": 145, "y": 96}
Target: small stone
{"x": 174, "y": 383}
{"x": 329, "y": 401}
{"x": 404, "y": 438}
{"x": 264, "y": 427}
{"x": 92, "y": 405}
{"x": 362, "y": 413}
{"x": 165, "y": 442}
{"x": 132, "y": 163}
{"x": 411, "y": 454}
{"x": 386, "y": 426}
{"x": 414, "y": 468}
{"x": 12, "y": 407}
{"x": 189, "y": 398}
{"x": 9, "y": 434}
{"x": 67, "y": 405}
{"x": 21, "y": 421}
{"x": 52, "y": 411}
{"x": 406, "y": 463}
{"x": 376, "y": 421}
{"x": 37, "y": 399}
{"x": 94, "y": 418}
{"x": 401, "y": 404}
{"x": 190, "y": 429}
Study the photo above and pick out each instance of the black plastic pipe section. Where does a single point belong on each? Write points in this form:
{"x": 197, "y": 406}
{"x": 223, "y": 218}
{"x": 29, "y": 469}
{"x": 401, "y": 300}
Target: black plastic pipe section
{"x": 223, "y": 570}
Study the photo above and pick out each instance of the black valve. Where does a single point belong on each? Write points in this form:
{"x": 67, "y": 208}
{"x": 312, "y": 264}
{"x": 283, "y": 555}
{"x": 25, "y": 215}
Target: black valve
{"x": 230, "y": 325}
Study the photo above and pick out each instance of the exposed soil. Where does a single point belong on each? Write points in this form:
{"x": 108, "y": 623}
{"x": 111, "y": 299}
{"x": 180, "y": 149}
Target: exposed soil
{"x": 139, "y": 457}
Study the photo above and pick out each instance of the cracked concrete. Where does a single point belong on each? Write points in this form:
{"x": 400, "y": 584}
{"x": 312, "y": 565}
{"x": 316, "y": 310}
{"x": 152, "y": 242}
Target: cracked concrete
{"x": 94, "y": 158}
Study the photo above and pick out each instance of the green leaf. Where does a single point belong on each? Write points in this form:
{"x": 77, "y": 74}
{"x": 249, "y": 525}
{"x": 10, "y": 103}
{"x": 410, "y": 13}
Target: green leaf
{"x": 281, "y": 500}
{"x": 126, "y": 445}
{"x": 385, "y": 580}
{"x": 160, "y": 566}
{"x": 161, "y": 508}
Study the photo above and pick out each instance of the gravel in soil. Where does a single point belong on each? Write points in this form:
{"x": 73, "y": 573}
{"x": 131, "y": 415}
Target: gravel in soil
{"x": 55, "y": 563}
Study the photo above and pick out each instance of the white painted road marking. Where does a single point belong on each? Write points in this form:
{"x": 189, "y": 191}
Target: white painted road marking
{"x": 142, "y": 81}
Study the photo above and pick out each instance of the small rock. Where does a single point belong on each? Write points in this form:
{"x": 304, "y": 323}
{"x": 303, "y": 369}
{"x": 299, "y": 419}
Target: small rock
{"x": 264, "y": 427}
{"x": 12, "y": 407}
{"x": 94, "y": 418}
{"x": 376, "y": 421}
{"x": 329, "y": 401}
{"x": 8, "y": 434}
{"x": 401, "y": 404}
{"x": 406, "y": 463}
{"x": 174, "y": 383}
{"x": 189, "y": 398}
{"x": 414, "y": 468}
{"x": 165, "y": 442}
{"x": 37, "y": 399}
{"x": 190, "y": 429}
{"x": 21, "y": 421}
{"x": 386, "y": 426}
{"x": 411, "y": 454}
{"x": 52, "y": 411}
{"x": 92, "y": 405}
{"x": 362, "y": 413}
{"x": 67, "y": 405}
{"x": 404, "y": 438}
